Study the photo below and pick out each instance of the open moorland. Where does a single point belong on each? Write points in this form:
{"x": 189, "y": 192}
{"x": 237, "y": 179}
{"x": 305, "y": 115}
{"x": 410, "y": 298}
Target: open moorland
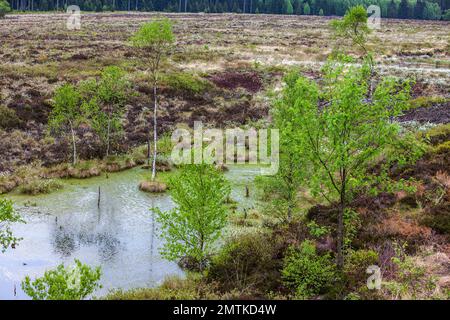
{"x": 221, "y": 64}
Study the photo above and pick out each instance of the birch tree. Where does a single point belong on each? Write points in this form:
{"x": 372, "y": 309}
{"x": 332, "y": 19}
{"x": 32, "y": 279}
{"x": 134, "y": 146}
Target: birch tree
{"x": 155, "y": 41}
{"x": 112, "y": 95}
{"x": 67, "y": 114}
{"x": 342, "y": 132}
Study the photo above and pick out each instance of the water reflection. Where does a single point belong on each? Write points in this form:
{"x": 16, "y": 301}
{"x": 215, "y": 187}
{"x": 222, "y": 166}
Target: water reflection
{"x": 69, "y": 233}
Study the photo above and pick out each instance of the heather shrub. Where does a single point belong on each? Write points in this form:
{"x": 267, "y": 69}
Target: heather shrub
{"x": 246, "y": 262}
{"x": 356, "y": 264}
{"x": 306, "y": 272}
{"x": 8, "y": 118}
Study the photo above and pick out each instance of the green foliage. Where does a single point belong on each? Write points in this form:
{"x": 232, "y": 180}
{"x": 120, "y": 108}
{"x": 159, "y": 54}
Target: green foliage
{"x": 306, "y": 9}
{"x": 281, "y": 190}
{"x": 340, "y": 132}
{"x": 307, "y": 273}
{"x": 156, "y": 40}
{"x": 446, "y": 15}
{"x": 185, "y": 82}
{"x": 427, "y": 101}
{"x": 67, "y": 113}
{"x": 200, "y": 193}
{"x": 8, "y": 216}
{"x": 103, "y": 103}
{"x": 66, "y": 107}
{"x": 352, "y": 223}
{"x": 64, "y": 283}
{"x": 4, "y": 8}
{"x": 340, "y": 139}
{"x": 432, "y": 11}
{"x": 316, "y": 230}
{"x": 153, "y": 34}
{"x": 287, "y": 7}
{"x": 353, "y": 26}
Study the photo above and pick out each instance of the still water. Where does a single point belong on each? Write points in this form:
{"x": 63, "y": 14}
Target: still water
{"x": 120, "y": 236}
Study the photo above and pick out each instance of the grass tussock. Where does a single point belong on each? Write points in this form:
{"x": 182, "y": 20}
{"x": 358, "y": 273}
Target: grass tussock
{"x": 173, "y": 288}
{"x": 40, "y": 186}
{"x": 153, "y": 186}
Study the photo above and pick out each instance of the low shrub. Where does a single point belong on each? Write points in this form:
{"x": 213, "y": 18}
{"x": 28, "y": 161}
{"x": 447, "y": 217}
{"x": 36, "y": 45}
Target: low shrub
{"x": 306, "y": 273}
{"x": 438, "y": 218}
{"x": 7, "y": 183}
{"x": 438, "y": 134}
{"x": 39, "y": 186}
{"x": 244, "y": 263}
{"x": 8, "y": 119}
{"x": 173, "y": 288}
{"x": 186, "y": 82}
{"x": 412, "y": 280}
{"x": 356, "y": 264}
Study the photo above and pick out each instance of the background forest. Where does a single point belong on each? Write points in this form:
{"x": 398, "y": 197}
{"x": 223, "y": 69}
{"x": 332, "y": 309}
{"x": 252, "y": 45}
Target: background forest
{"x": 403, "y": 9}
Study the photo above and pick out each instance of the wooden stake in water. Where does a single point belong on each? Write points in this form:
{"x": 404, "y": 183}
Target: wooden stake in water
{"x": 99, "y": 196}
{"x": 247, "y": 192}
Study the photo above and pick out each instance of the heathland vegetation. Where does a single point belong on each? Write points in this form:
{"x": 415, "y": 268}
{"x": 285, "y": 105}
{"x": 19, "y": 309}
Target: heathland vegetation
{"x": 363, "y": 183}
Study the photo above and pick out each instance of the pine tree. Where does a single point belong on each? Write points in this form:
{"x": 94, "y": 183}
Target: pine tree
{"x": 306, "y": 9}
{"x": 418, "y": 9}
{"x": 392, "y": 10}
{"x": 403, "y": 10}
{"x": 298, "y": 5}
{"x": 288, "y": 7}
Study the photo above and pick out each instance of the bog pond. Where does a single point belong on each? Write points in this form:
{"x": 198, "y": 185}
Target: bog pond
{"x": 119, "y": 235}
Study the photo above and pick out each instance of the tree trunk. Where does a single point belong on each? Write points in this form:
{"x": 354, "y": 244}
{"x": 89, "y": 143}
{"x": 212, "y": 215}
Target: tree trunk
{"x": 340, "y": 227}
{"x": 340, "y": 237}
{"x": 74, "y": 147}
{"x": 155, "y": 135}
{"x": 148, "y": 147}
{"x": 107, "y": 136}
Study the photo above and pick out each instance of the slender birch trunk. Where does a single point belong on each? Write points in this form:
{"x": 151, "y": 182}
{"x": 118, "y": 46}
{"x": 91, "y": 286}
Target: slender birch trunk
{"x": 74, "y": 146}
{"x": 155, "y": 133}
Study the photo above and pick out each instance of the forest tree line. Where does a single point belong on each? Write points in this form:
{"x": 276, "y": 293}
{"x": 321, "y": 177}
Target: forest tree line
{"x": 403, "y": 9}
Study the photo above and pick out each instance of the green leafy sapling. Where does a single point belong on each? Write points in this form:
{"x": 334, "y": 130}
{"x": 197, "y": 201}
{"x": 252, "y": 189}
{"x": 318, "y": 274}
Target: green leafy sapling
{"x": 64, "y": 283}
{"x": 353, "y": 26}
{"x": 8, "y": 216}
{"x": 200, "y": 193}
{"x": 67, "y": 114}
{"x": 342, "y": 132}
{"x": 282, "y": 188}
{"x": 112, "y": 95}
